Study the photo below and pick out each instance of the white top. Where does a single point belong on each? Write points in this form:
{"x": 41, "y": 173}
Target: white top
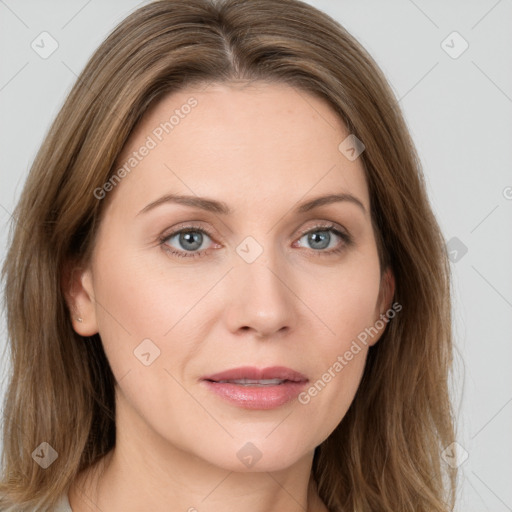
{"x": 63, "y": 504}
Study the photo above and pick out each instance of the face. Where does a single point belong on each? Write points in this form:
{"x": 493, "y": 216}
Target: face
{"x": 245, "y": 271}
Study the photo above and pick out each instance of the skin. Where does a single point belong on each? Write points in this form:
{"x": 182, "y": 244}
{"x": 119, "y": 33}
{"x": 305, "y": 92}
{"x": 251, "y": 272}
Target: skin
{"x": 263, "y": 149}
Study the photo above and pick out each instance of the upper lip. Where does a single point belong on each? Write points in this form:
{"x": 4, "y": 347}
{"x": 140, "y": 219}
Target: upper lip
{"x": 253, "y": 373}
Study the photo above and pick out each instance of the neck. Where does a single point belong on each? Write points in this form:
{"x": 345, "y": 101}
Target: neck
{"x": 144, "y": 472}
{"x": 112, "y": 484}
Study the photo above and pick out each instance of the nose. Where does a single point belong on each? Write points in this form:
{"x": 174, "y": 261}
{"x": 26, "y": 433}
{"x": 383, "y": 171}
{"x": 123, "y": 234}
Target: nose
{"x": 260, "y": 298}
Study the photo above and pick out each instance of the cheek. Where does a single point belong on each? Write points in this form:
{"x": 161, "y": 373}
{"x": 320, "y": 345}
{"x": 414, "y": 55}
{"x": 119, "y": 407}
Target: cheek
{"x": 133, "y": 305}
{"x": 347, "y": 308}
{"x": 345, "y": 300}
{"x": 141, "y": 297}
{"x": 339, "y": 362}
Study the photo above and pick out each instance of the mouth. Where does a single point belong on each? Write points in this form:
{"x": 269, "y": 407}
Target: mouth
{"x": 252, "y": 382}
{"x": 253, "y": 388}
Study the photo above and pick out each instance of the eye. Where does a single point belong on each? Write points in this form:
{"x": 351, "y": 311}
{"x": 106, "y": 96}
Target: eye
{"x": 187, "y": 242}
{"x": 321, "y": 237}
{"x": 191, "y": 241}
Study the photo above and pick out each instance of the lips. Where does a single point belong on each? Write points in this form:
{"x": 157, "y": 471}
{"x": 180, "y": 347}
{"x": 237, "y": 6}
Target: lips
{"x": 253, "y": 388}
{"x": 253, "y": 375}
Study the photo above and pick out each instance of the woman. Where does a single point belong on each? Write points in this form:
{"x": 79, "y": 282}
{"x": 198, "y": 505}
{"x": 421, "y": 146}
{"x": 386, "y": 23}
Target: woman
{"x": 226, "y": 287}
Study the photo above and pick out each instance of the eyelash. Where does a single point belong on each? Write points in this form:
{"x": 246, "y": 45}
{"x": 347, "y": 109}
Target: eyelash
{"x": 347, "y": 240}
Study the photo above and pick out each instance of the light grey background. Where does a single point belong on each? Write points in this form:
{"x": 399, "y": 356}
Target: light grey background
{"x": 459, "y": 111}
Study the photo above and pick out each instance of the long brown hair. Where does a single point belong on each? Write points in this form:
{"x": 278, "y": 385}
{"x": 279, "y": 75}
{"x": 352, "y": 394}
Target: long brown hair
{"x": 385, "y": 455}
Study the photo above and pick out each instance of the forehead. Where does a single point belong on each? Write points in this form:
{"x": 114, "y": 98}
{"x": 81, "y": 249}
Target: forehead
{"x": 252, "y": 142}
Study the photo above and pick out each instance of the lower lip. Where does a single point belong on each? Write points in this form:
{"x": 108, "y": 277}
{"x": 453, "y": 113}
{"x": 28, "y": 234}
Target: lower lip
{"x": 257, "y": 397}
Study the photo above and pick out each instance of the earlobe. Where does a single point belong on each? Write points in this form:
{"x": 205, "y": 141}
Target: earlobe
{"x": 78, "y": 291}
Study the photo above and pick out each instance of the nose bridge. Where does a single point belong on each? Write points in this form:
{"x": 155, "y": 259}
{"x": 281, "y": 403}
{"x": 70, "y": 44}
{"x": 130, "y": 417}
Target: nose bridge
{"x": 260, "y": 297}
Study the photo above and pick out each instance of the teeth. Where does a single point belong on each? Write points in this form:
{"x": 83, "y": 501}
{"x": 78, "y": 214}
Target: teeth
{"x": 252, "y": 382}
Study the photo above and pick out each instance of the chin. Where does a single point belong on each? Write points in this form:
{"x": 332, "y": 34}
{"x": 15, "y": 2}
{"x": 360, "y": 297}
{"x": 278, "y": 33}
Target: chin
{"x": 261, "y": 453}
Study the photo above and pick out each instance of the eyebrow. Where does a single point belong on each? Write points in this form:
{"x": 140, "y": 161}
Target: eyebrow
{"x": 214, "y": 206}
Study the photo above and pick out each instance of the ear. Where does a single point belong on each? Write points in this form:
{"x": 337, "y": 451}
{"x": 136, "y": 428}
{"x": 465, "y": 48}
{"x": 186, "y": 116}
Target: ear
{"x": 384, "y": 300}
{"x": 78, "y": 290}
